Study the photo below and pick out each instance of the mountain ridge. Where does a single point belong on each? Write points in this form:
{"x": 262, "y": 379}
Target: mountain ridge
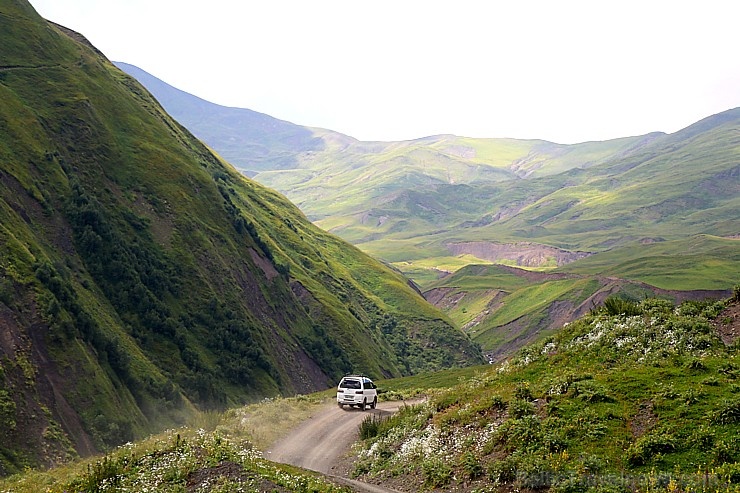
{"x": 261, "y": 141}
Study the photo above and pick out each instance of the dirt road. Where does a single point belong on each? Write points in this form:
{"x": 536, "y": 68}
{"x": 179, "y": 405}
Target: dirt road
{"x": 320, "y": 443}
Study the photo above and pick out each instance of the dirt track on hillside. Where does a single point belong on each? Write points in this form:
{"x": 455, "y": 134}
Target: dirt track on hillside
{"x": 322, "y": 443}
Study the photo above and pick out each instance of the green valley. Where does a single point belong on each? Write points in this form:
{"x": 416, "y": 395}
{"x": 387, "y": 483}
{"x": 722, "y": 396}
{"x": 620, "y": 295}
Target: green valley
{"x": 651, "y": 215}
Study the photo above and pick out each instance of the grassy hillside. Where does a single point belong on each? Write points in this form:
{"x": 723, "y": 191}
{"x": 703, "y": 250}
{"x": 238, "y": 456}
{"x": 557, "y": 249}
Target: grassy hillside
{"x": 701, "y": 262}
{"x": 385, "y": 171}
{"x": 142, "y": 277}
{"x": 671, "y": 187}
{"x": 186, "y": 460}
{"x": 633, "y": 397}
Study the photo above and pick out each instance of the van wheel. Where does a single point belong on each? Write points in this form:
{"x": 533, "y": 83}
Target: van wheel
{"x": 374, "y": 404}
{"x": 341, "y": 406}
{"x": 363, "y": 405}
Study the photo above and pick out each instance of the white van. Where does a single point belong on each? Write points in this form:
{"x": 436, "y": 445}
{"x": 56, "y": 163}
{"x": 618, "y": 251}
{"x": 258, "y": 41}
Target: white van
{"x": 357, "y": 390}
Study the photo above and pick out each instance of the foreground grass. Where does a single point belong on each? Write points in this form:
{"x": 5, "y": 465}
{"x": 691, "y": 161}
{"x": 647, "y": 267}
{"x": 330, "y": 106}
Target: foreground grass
{"x": 633, "y": 398}
{"x": 218, "y": 454}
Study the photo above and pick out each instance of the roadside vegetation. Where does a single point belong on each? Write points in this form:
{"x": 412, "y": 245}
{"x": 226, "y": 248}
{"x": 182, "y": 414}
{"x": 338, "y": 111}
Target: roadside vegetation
{"x": 176, "y": 461}
{"x": 217, "y": 453}
{"x": 636, "y": 396}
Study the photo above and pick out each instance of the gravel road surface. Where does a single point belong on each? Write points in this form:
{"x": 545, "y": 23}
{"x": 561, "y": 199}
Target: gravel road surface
{"x": 321, "y": 443}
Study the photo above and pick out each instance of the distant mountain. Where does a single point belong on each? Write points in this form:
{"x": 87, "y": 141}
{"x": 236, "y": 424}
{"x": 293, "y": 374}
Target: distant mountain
{"x": 445, "y": 192}
{"x": 323, "y": 171}
{"x": 249, "y": 140}
{"x": 672, "y": 187}
{"x": 142, "y": 277}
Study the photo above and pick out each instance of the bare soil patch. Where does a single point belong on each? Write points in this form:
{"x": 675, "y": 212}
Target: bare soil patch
{"x": 644, "y": 420}
{"x": 727, "y": 324}
{"x": 525, "y": 254}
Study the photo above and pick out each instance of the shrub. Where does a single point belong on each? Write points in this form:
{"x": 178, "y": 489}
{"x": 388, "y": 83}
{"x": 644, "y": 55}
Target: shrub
{"x": 728, "y": 369}
{"x": 730, "y": 473}
{"x": 668, "y": 392}
{"x": 586, "y": 424}
{"x": 106, "y": 471}
{"x": 554, "y": 440}
{"x": 691, "y": 397}
{"x": 436, "y": 473}
{"x": 649, "y": 446}
{"x": 562, "y": 385}
{"x": 497, "y": 402}
{"x": 703, "y": 438}
{"x": 696, "y": 364}
{"x": 470, "y": 465}
{"x": 7, "y": 411}
{"x": 369, "y": 427}
{"x": 523, "y": 392}
{"x": 571, "y": 484}
{"x": 656, "y": 306}
{"x": 533, "y": 472}
{"x": 591, "y": 391}
{"x": 725, "y": 451}
{"x": 502, "y": 471}
{"x": 729, "y": 413}
{"x": 619, "y": 306}
{"x": 446, "y": 400}
{"x": 519, "y": 408}
{"x": 378, "y": 426}
{"x": 591, "y": 464}
{"x": 523, "y": 433}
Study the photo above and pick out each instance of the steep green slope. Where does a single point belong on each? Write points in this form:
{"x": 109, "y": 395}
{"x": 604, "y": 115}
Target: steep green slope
{"x": 250, "y": 141}
{"x": 141, "y": 276}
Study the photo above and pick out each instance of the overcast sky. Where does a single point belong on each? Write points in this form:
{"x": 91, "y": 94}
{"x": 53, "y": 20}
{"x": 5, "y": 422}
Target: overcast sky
{"x": 564, "y": 71}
